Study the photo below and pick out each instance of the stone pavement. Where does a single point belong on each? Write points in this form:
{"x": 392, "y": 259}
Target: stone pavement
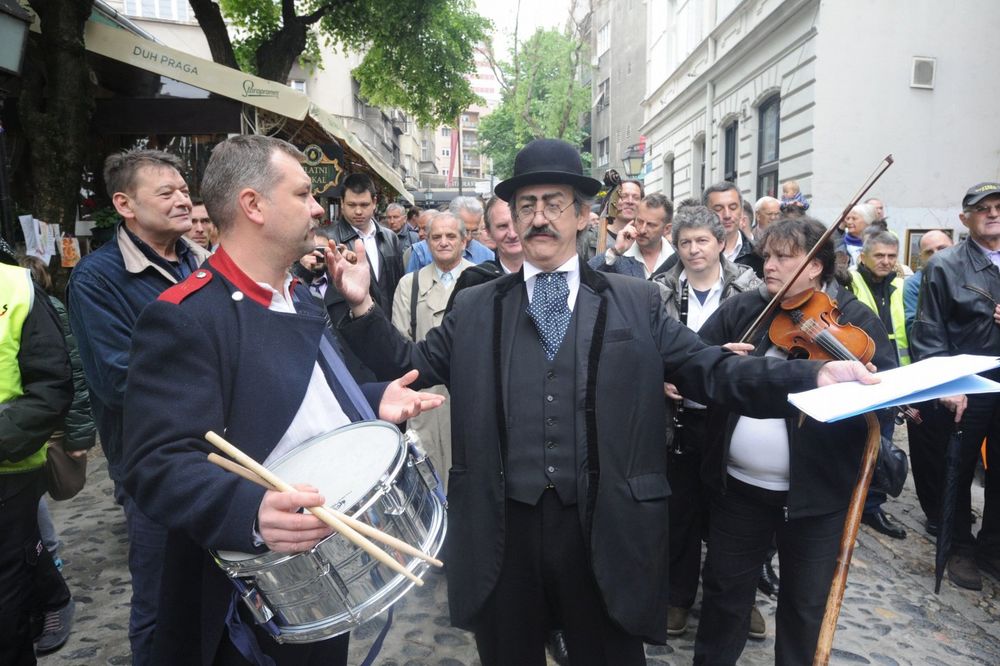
{"x": 890, "y": 615}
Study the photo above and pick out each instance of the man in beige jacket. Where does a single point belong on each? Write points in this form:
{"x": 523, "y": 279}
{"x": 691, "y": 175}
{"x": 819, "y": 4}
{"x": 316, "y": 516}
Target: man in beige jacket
{"x": 418, "y": 306}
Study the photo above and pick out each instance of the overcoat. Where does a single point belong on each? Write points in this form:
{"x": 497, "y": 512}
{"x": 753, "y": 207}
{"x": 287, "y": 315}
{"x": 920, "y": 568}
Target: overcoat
{"x": 626, "y": 345}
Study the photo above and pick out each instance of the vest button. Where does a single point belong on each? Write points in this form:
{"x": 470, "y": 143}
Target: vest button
{"x": 550, "y": 469}
{"x": 550, "y": 444}
{"x": 549, "y": 398}
{"x": 550, "y": 374}
{"x": 550, "y": 421}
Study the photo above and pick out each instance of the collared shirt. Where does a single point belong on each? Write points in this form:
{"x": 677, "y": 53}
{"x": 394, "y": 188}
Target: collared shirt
{"x": 992, "y": 255}
{"x": 320, "y": 412}
{"x": 318, "y": 286}
{"x": 731, "y": 256}
{"x": 572, "y": 270}
{"x": 636, "y": 253}
{"x": 698, "y": 312}
{"x": 447, "y": 278}
{"x": 368, "y": 237}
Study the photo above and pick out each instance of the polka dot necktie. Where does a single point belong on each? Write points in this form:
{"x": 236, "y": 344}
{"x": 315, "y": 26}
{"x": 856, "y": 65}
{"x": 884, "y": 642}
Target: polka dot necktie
{"x": 550, "y": 311}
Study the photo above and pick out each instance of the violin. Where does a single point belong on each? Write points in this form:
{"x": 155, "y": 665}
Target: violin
{"x": 808, "y": 324}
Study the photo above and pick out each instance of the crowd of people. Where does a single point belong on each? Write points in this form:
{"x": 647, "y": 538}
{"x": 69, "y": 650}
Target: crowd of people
{"x": 608, "y": 409}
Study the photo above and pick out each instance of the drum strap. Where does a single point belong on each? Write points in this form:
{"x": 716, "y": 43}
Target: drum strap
{"x": 242, "y": 636}
{"x": 377, "y": 645}
{"x": 348, "y": 394}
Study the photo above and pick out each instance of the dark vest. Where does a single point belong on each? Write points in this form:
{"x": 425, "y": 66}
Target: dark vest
{"x": 542, "y": 431}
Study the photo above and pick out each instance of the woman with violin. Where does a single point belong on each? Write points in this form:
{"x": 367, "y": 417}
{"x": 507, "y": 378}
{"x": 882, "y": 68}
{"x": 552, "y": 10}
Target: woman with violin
{"x": 792, "y": 478}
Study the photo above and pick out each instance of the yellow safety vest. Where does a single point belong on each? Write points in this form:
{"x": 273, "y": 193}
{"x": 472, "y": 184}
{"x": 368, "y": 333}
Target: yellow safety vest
{"x": 896, "y": 311}
{"x": 17, "y": 296}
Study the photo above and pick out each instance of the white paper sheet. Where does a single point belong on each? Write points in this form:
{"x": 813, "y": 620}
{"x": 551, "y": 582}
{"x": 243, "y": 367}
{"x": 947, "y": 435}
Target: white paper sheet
{"x": 931, "y": 378}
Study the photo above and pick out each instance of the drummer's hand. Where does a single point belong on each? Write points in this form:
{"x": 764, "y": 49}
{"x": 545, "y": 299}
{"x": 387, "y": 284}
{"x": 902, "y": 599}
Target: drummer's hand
{"x": 835, "y": 372}
{"x": 283, "y": 528}
{"x": 671, "y": 391}
{"x": 955, "y": 403}
{"x": 996, "y": 314}
{"x": 741, "y": 348}
{"x": 399, "y": 402}
{"x": 352, "y": 279}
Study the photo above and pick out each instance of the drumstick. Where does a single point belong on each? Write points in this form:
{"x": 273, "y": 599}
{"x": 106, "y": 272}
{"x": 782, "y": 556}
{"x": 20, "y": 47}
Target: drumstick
{"x": 363, "y": 528}
{"x": 328, "y": 518}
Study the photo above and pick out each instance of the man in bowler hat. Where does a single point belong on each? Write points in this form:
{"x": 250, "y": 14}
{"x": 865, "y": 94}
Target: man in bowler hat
{"x": 558, "y": 488}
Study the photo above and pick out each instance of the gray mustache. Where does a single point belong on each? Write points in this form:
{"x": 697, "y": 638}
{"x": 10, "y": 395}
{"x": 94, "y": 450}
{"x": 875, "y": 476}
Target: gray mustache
{"x": 547, "y": 230}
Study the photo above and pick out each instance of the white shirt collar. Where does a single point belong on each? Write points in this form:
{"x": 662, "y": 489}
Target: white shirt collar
{"x": 736, "y": 248}
{"x": 572, "y": 270}
{"x": 666, "y": 249}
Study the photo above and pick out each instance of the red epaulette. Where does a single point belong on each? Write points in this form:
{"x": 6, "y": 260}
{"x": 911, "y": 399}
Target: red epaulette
{"x": 193, "y": 283}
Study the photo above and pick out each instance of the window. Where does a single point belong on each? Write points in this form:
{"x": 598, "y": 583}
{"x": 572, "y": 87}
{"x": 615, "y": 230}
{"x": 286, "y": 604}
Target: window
{"x": 698, "y": 162}
{"x": 168, "y": 10}
{"x": 731, "y": 139}
{"x": 603, "y": 39}
{"x": 668, "y": 177}
{"x": 602, "y": 95}
{"x": 297, "y": 84}
{"x": 602, "y": 152}
{"x": 767, "y": 148}
{"x": 446, "y": 152}
{"x": 446, "y": 132}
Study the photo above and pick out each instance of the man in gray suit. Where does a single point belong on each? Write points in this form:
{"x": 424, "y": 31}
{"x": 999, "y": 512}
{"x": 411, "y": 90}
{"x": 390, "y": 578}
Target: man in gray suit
{"x": 558, "y": 488}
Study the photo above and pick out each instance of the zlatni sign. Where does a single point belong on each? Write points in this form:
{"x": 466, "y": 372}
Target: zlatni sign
{"x": 130, "y": 49}
{"x": 324, "y": 164}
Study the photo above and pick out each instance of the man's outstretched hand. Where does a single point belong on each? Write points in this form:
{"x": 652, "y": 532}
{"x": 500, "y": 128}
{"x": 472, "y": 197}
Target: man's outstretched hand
{"x": 399, "y": 402}
{"x": 835, "y": 372}
{"x": 352, "y": 278}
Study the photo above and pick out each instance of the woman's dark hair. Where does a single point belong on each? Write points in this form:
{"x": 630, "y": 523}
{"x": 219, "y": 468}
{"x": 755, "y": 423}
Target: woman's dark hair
{"x": 800, "y": 234}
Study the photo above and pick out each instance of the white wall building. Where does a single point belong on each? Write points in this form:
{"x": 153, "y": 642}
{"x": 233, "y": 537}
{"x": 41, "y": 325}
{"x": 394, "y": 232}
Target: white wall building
{"x": 763, "y": 91}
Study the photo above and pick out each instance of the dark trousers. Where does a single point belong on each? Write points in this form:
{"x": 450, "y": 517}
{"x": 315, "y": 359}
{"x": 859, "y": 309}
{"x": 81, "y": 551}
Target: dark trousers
{"x": 981, "y": 419}
{"x": 546, "y": 582}
{"x": 928, "y": 441}
{"x": 688, "y": 507}
{"x": 744, "y": 522}
{"x": 25, "y": 565}
{"x": 147, "y": 542}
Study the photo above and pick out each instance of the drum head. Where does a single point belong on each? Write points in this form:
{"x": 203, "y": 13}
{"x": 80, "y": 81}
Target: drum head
{"x": 346, "y": 464}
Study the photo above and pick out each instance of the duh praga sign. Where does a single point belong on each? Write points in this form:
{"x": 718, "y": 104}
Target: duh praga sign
{"x": 130, "y": 49}
{"x": 325, "y": 166}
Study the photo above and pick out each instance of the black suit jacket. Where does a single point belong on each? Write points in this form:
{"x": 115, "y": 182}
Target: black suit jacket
{"x": 625, "y": 345}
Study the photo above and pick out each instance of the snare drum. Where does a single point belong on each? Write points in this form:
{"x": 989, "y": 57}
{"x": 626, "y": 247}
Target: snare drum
{"x": 370, "y": 472}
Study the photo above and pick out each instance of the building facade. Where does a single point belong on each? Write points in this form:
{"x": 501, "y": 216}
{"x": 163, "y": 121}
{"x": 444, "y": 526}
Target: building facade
{"x": 764, "y": 91}
{"x": 618, "y": 61}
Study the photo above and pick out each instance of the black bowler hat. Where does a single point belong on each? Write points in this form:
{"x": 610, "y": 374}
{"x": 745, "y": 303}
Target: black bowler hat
{"x": 547, "y": 162}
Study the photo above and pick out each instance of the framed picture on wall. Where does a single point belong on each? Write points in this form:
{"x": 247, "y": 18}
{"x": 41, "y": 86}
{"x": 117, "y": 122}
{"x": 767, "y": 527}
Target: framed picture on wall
{"x": 913, "y": 237}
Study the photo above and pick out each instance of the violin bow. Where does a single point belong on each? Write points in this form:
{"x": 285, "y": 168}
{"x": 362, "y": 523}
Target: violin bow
{"x": 778, "y": 297}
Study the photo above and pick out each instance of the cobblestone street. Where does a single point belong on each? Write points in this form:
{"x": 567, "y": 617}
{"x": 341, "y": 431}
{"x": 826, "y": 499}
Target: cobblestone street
{"x": 890, "y": 616}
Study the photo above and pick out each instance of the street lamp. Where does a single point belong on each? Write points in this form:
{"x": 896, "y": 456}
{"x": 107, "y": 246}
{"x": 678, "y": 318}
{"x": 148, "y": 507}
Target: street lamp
{"x": 633, "y": 161}
{"x": 428, "y": 196}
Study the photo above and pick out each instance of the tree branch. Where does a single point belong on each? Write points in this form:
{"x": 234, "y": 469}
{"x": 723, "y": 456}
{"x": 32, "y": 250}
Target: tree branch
{"x": 209, "y": 17}
{"x": 323, "y": 10}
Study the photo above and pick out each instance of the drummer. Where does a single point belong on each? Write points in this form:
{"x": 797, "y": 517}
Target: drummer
{"x": 244, "y": 339}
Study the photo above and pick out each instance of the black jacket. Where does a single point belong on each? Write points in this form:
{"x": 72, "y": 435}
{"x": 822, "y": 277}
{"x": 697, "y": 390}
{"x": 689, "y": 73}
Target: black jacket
{"x": 473, "y": 275}
{"x": 390, "y": 260}
{"x": 824, "y": 457}
{"x": 748, "y": 257}
{"x": 625, "y": 345}
{"x": 953, "y": 318}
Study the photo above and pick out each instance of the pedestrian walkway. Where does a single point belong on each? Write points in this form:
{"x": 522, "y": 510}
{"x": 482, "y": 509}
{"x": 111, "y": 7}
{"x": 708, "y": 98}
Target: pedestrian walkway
{"x": 891, "y": 616}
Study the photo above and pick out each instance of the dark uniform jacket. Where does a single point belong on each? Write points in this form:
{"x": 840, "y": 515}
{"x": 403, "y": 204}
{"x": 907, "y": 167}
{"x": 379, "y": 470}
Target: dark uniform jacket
{"x": 953, "y": 318}
{"x": 824, "y": 458}
{"x": 203, "y": 360}
{"x": 625, "y": 343}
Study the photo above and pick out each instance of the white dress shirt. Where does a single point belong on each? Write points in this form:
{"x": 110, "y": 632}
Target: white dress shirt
{"x": 371, "y": 246}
